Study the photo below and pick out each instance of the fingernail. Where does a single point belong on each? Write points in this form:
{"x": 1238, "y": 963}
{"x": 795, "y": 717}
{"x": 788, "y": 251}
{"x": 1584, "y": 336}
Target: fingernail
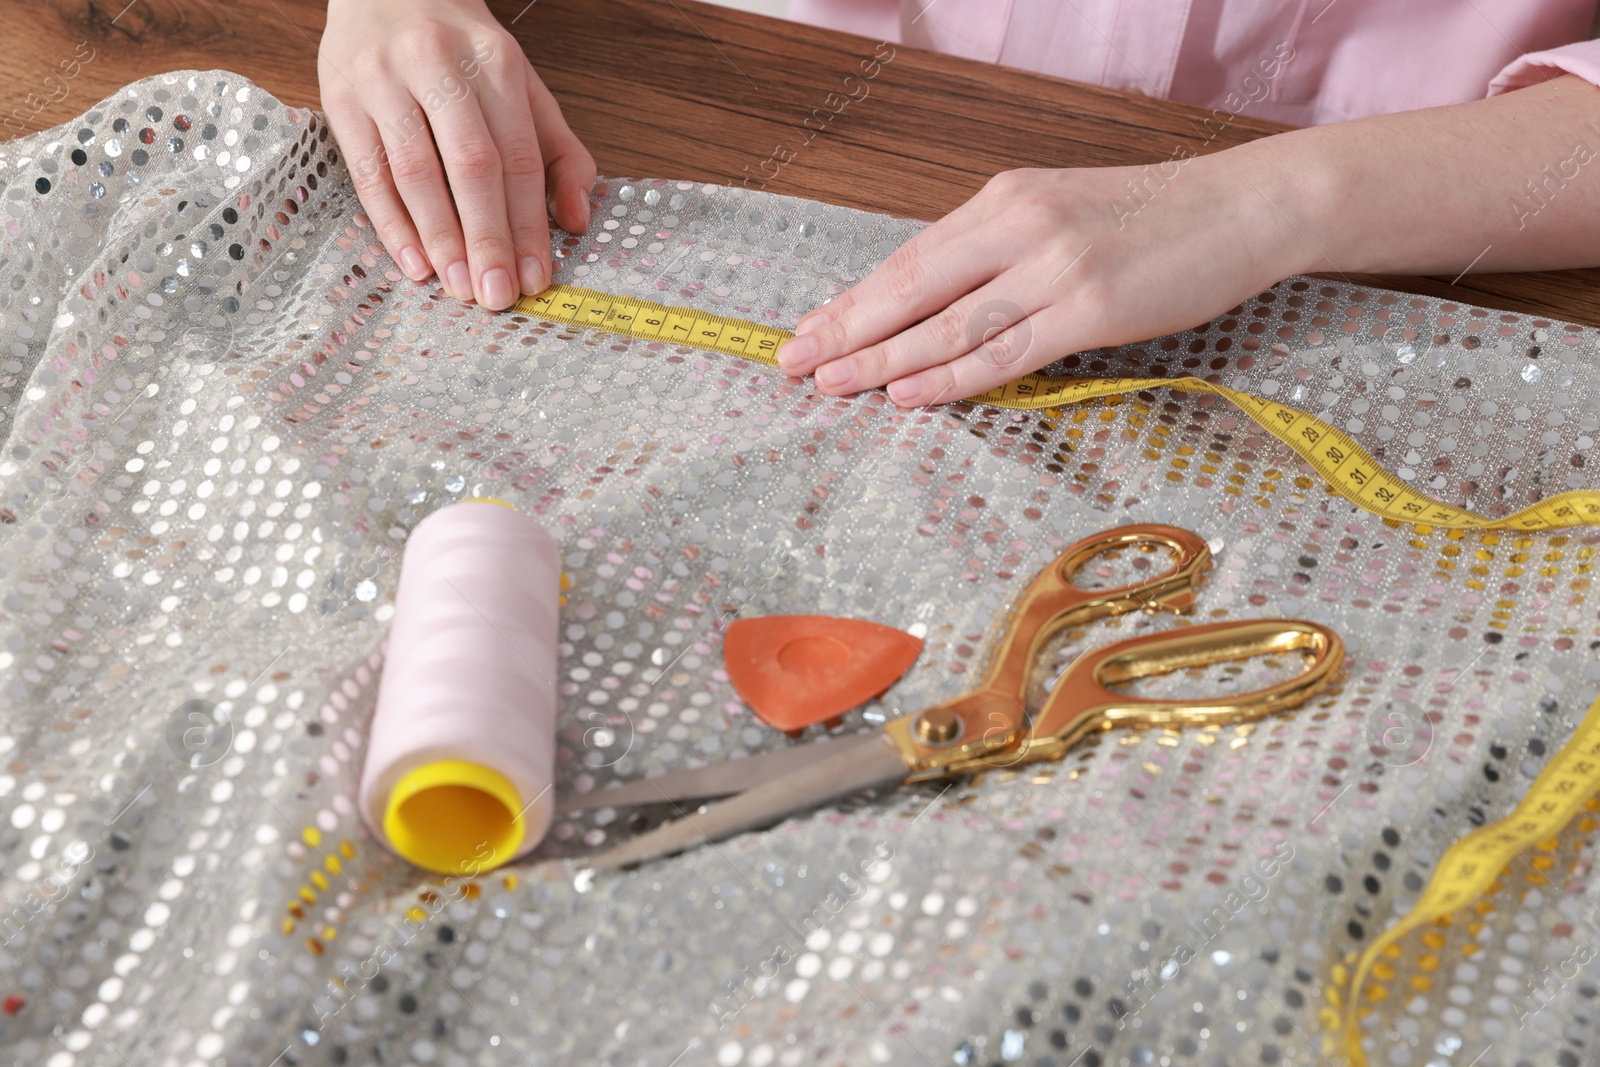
{"x": 458, "y": 281}
{"x": 795, "y": 353}
{"x": 532, "y": 275}
{"x": 809, "y": 323}
{"x": 413, "y": 264}
{"x": 906, "y": 391}
{"x": 836, "y": 375}
{"x": 580, "y": 200}
{"x": 497, "y": 292}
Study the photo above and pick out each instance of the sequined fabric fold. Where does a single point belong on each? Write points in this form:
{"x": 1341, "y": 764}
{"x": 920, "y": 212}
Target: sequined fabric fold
{"x": 223, "y": 408}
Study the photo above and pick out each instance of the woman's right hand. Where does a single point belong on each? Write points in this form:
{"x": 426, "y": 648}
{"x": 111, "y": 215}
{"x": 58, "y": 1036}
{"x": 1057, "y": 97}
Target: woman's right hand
{"x": 433, "y": 100}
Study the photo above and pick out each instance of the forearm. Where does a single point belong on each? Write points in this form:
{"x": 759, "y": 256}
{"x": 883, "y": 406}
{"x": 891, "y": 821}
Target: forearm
{"x": 1509, "y": 183}
{"x": 1043, "y": 263}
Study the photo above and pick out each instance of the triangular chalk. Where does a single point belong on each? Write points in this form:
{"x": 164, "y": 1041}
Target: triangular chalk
{"x": 795, "y": 670}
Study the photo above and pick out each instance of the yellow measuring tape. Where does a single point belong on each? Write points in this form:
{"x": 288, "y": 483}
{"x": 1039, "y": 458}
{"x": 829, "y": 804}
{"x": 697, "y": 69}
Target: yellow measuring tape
{"x": 1471, "y": 865}
{"x": 1346, "y": 466}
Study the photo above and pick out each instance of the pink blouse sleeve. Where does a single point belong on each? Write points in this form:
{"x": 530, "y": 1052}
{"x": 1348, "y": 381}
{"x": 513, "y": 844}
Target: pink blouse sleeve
{"x": 1582, "y": 59}
{"x": 878, "y": 19}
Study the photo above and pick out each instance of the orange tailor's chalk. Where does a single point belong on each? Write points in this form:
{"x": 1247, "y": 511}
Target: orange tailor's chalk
{"x": 795, "y": 670}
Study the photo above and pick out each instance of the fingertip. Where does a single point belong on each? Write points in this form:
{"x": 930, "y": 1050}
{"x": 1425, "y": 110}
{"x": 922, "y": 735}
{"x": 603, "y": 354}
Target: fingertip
{"x": 532, "y": 275}
{"x": 837, "y": 376}
{"x": 414, "y": 264}
{"x": 908, "y": 392}
{"x": 570, "y": 208}
{"x": 458, "y": 281}
{"x": 497, "y": 292}
{"x": 583, "y": 191}
{"x": 796, "y": 354}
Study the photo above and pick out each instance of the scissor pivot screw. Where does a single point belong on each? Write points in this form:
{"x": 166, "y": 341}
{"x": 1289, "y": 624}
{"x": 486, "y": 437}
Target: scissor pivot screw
{"x": 938, "y": 726}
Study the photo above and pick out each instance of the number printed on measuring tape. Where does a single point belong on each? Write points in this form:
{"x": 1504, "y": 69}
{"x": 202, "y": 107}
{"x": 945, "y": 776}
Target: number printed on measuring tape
{"x": 1345, "y": 465}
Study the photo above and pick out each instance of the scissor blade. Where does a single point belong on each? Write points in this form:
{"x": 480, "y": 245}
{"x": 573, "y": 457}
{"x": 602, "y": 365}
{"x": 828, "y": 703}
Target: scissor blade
{"x": 852, "y": 765}
{"x": 707, "y": 783}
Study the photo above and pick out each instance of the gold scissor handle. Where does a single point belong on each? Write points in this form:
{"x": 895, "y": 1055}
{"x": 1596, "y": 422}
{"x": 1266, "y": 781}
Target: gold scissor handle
{"x": 1051, "y": 602}
{"x": 1082, "y": 703}
{"x": 991, "y": 717}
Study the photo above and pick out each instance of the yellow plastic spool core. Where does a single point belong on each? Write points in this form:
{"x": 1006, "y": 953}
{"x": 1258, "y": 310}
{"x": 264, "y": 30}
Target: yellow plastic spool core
{"x": 455, "y": 817}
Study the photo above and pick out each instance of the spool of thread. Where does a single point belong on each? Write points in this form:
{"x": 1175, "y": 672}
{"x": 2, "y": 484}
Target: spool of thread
{"x": 462, "y": 754}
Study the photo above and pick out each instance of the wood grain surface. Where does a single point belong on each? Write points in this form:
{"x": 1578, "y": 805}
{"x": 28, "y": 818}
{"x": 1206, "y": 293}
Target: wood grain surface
{"x": 679, "y": 89}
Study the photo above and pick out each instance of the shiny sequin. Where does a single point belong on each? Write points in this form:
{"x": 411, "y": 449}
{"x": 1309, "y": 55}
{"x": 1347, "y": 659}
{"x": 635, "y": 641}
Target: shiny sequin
{"x": 219, "y": 433}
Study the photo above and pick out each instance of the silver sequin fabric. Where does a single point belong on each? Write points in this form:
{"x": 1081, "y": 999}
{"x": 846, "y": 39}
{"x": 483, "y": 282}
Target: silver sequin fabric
{"x": 223, "y": 409}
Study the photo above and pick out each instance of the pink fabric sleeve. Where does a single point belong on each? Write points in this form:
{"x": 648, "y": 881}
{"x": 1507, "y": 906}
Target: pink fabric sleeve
{"x": 1582, "y": 59}
{"x": 878, "y": 19}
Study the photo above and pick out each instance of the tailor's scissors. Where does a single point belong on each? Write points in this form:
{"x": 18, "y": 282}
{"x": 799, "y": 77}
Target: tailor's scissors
{"x": 989, "y": 727}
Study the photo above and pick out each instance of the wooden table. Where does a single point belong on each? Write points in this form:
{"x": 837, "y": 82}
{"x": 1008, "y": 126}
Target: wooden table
{"x": 679, "y": 89}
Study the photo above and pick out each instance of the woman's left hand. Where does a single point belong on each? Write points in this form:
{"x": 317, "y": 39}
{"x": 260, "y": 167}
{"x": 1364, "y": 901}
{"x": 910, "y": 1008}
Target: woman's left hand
{"x": 1043, "y": 263}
